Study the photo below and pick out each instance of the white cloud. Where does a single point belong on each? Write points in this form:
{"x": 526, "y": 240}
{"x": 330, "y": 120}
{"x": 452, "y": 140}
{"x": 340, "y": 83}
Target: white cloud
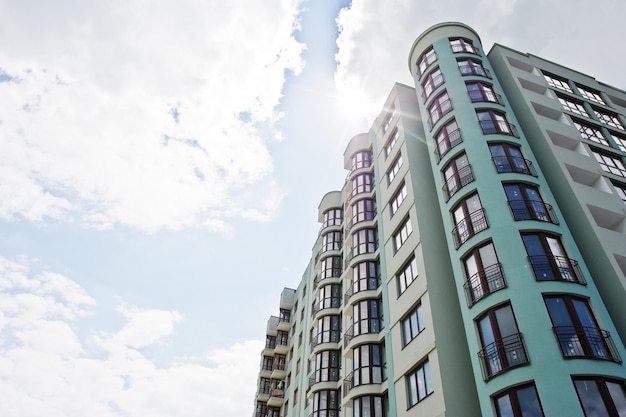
{"x": 376, "y": 37}
{"x": 47, "y": 368}
{"x": 143, "y": 114}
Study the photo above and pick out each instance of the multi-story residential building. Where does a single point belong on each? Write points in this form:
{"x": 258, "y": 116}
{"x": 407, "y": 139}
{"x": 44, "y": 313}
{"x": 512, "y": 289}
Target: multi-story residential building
{"x": 474, "y": 262}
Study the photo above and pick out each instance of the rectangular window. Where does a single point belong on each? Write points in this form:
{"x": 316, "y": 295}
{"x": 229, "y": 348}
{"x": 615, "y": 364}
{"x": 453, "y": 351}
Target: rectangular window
{"x": 483, "y": 272}
{"x": 549, "y": 259}
{"x": 393, "y": 139}
{"x": 369, "y": 406}
{"x": 574, "y": 106}
{"x": 398, "y": 198}
{"x": 610, "y": 164}
{"x": 389, "y": 119}
{"x": 520, "y": 401}
{"x": 601, "y": 396}
{"x": 590, "y": 94}
{"x": 556, "y": 82}
{"x": 468, "y": 218}
{"x": 393, "y": 171}
{"x": 591, "y": 133}
{"x": 620, "y": 189}
{"x": 577, "y": 331}
{"x": 424, "y": 61}
{"x": 620, "y": 141}
{"x": 419, "y": 384}
{"x": 412, "y": 324}
{"x": 526, "y": 203}
{"x": 440, "y": 106}
{"x": 609, "y": 119}
{"x": 407, "y": 275}
{"x": 402, "y": 234}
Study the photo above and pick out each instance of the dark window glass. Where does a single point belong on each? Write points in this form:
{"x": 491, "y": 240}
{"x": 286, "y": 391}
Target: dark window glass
{"x": 519, "y": 402}
{"x": 549, "y": 259}
{"x": 601, "y": 397}
{"x": 483, "y": 272}
{"x": 526, "y": 203}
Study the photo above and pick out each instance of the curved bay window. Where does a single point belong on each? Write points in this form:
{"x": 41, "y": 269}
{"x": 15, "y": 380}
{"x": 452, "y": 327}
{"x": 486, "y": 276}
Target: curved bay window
{"x": 520, "y": 401}
{"x": 333, "y": 217}
{"x": 457, "y": 174}
{"x": 361, "y": 159}
{"x": 577, "y": 331}
{"x": 481, "y": 92}
{"x": 328, "y": 330}
{"x": 503, "y": 346}
{"x": 367, "y": 318}
{"x": 483, "y": 272}
{"x": 329, "y": 296}
{"x": 325, "y": 403}
{"x": 549, "y": 259}
{"x": 362, "y": 183}
{"x": 508, "y": 158}
{"x": 368, "y": 362}
{"x": 492, "y": 122}
{"x": 369, "y": 406}
{"x": 463, "y": 45}
{"x": 332, "y": 241}
{"x": 327, "y": 366}
{"x": 472, "y": 67}
{"x": 526, "y": 203}
{"x": 601, "y": 396}
{"x": 469, "y": 218}
{"x": 364, "y": 241}
{"x": 433, "y": 80}
{"x": 365, "y": 276}
{"x": 447, "y": 138}
{"x": 428, "y": 57}
{"x": 440, "y": 106}
{"x": 331, "y": 267}
{"x": 363, "y": 210}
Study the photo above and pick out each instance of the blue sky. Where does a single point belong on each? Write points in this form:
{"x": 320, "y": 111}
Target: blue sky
{"x": 161, "y": 168}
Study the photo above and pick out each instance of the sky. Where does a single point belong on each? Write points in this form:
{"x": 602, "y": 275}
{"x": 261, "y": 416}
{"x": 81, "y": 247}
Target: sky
{"x": 161, "y": 165}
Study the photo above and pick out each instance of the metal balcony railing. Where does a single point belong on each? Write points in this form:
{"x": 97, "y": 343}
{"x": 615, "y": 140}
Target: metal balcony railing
{"x": 502, "y": 355}
{"x": 532, "y": 210}
{"x": 586, "y": 342}
{"x": 447, "y": 142}
{"x": 458, "y": 180}
{"x": 489, "y": 280}
{"x": 556, "y": 268}
{"x": 505, "y": 164}
{"x": 469, "y": 226}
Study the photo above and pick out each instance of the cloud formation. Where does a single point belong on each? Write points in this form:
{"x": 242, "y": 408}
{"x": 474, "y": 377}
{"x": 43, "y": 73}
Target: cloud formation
{"x": 147, "y": 115}
{"x": 48, "y": 368}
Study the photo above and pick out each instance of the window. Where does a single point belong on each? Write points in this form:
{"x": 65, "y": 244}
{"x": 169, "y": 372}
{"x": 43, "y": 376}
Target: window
{"x": 325, "y": 403}
{"x": 419, "y": 384}
{"x": 591, "y": 95}
{"x": 481, "y": 92}
{"x": 328, "y": 330}
{"x": 365, "y": 276}
{"x": 279, "y": 363}
{"x": 620, "y": 189}
{"x": 440, "y": 106}
{"x": 447, "y": 138}
{"x": 407, "y": 275}
{"x": 393, "y": 139}
{"x": 502, "y": 343}
{"x": 609, "y": 119}
{"x": 601, "y": 397}
{"x": 463, "y": 45}
{"x": 367, "y": 317}
{"x": 402, "y": 234}
{"x": 492, "y": 122}
{"x": 393, "y": 171}
{"x": 268, "y": 363}
{"x": 397, "y": 199}
{"x": 468, "y": 218}
{"x": 364, "y": 241}
{"x": 332, "y": 241}
{"x": 261, "y": 409}
{"x": 508, "y": 158}
{"x": 361, "y": 159}
{"x": 363, "y": 210}
{"x": 610, "y": 164}
{"x": 428, "y": 57}
{"x": 620, "y": 141}
{"x": 556, "y": 82}
{"x": 265, "y": 386}
{"x": 331, "y": 267}
{"x": 389, "y": 118}
{"x": 282, "y": 338}
{"x": 483, "y": 272}
{"x": 548, "y": 258}
{"x": 591, "y": 133}
{"x": 327, "y": 366}
{"x": 576, "y": 329}
{"x": 433, "y": 80}
{"x": 573, "y": 106}
{"x": 333, "y": 217}
{"x": 367, "y": 364}
{"x": 520, "y": 401}
{"x": 472, "y": 67}
{"x": 412, "y": 324}
{"x": 369, "y": 406}
{"x": 526, "y": 203}
{"x": 330, "y": 296}
{"x": 362, "y": 183}
{"x": 457, "y": 174}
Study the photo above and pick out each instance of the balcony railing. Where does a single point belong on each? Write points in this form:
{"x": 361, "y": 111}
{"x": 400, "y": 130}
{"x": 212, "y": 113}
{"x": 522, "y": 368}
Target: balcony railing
{"x": 457, "y": 181}
{"x": 469, "y": 226}
{"x": 333, "y": 273}
{"x": 437, "y": 111}
{"x": 324, "y": 375}
{"x": 483, "y": 283}
{"x": 502, "y": 355}
{"x": 473, "y": 69}
{"x": 481, "y": 96}
{"x": 324, "y": 413}
{"x": 490, "y": 127}
{"x": 505, "y": 164}
{"x": 532, "y": 210}
{"x": 333, "y": 302}
{"x": 372, "y": 325}
{"x": 331, "y": 336}
{"x": 586, "y": 342}
{"x": 372, "y": 284}
{"x": 447, "y": 142}
{"x": 556, "y": 268}
{"x": 376, "y": 375}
